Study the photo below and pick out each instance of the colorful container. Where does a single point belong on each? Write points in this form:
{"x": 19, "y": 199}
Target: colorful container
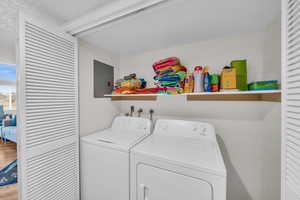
{"x": 214, "y": 82}
{"x": 264, "y": 85}
{"x": 241, "y": 74}
{"x": 198, "y": 79}
{"x": 228, "y": 78}
{"x": 189, "y": 83}
{"x": 206, "y": 80}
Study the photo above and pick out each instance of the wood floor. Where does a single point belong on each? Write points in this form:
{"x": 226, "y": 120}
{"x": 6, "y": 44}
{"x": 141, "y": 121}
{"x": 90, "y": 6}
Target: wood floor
{"x": 8, "y": 153}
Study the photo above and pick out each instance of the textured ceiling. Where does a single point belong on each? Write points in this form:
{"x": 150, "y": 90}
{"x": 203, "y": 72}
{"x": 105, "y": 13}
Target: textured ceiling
{"x": 8, "y": 13}
{"x": 59, "y": 11}
{"x": 64, "y": 11}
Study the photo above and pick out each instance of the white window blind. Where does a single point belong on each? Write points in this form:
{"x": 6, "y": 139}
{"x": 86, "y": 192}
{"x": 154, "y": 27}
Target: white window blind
{"x": 47, "y": 113}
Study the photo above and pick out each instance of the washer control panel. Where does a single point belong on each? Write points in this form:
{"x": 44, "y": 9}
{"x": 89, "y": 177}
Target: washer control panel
{"x": 135, "y": 124}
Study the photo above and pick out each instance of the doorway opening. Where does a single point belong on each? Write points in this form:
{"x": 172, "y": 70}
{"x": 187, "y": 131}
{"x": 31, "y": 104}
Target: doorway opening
{"x": 8, "y": 119}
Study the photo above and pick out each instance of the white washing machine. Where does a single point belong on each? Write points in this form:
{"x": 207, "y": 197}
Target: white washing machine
{"x": 180, "y": 160}
{"x": 105, "y": 159}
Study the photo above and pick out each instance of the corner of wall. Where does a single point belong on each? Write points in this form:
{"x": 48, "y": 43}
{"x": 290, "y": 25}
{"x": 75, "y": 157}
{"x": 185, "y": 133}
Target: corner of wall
{"x": 95, "y": 113}
{"x": 272, "y": 51}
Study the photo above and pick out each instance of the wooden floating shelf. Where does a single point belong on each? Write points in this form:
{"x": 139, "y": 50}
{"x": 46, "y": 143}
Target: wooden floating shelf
{"x": 133, "y": 98}
{"x": 240, "y": 96}
{"x": 268, "y": 95}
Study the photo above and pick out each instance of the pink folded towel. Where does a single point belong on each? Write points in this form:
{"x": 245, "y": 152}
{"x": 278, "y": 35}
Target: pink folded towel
{"x": 166, "y": 62}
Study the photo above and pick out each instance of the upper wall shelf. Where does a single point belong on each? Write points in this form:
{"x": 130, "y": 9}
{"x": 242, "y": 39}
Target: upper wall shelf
{"x": 268, "y": 95}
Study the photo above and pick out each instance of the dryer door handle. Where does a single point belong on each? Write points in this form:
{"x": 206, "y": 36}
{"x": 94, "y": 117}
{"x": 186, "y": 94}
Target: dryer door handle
{"x": 144, "y": 192}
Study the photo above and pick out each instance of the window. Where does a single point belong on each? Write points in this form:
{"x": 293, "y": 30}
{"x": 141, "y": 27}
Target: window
{"x": 8, "y": 87}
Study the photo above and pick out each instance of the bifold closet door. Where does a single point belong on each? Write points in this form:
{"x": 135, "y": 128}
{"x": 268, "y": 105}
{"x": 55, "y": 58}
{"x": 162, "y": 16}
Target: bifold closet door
{"x": 290, "y": 99}
{"x": 48, "y": 135}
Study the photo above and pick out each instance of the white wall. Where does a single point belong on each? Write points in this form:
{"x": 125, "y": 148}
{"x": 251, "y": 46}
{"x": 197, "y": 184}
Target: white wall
{"x": 272, "y": 137}
{"x": 7, "y": 55}
{"x": 249, "y": 132}
{"x": 272, "y": 51}
{"x": 95, "y": 113}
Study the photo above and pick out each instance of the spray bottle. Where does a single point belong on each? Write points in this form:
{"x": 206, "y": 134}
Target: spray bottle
{"x": 198, "y": 79}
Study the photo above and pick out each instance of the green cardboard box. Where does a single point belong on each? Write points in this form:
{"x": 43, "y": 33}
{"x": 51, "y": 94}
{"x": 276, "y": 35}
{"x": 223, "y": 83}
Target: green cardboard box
{"x": 241, "y": 73}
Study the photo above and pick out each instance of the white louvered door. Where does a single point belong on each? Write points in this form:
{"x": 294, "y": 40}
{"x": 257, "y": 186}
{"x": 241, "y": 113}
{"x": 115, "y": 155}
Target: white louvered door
{"x": 290, "y": 99}
{"x": 48, "y": 130}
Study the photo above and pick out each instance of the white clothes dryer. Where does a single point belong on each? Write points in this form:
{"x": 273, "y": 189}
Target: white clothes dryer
{"x": 181, "y": 160}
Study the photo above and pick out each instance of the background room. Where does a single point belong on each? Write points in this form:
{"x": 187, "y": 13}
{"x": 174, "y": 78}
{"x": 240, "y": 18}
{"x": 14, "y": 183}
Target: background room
{"x": 8, "y": 138}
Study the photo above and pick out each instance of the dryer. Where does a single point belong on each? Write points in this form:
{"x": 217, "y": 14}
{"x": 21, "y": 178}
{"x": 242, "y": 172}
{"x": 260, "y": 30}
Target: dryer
{"x": 104, "y": 164}
{"x": 180, "y": 160}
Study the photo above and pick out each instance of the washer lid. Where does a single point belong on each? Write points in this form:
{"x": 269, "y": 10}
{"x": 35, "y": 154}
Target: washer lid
{"x": 123, "y": 135}
{"x": 191, "y": 150}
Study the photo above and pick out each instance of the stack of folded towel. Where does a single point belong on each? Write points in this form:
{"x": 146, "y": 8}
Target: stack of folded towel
{"x": 169, "y": 72}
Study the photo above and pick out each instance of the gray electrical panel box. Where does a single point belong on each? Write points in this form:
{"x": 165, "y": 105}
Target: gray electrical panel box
{"x": 103, "y": 79}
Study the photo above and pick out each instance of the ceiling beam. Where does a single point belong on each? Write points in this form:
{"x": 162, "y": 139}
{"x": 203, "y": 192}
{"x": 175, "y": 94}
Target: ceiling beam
{"x": 107, "y": 14}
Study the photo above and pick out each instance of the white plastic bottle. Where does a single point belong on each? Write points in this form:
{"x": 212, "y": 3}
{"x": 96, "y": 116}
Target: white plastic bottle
{"x": 198, "y": 82}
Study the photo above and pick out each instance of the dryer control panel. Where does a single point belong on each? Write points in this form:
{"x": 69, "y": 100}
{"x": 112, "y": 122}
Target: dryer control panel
{"x": 184, "y": 128}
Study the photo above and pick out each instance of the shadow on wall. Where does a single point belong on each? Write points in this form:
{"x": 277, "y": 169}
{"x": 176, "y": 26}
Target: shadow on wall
{"x": 235, "y": 185}
{"x": 224, "y": 110}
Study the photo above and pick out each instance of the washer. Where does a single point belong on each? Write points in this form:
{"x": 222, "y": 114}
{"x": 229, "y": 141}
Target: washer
{"x": 180, "y": 160}
{"x": 105, "y": 158}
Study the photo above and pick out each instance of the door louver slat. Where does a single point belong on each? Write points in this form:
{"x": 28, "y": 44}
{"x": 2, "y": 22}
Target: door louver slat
{"x": 291, "y": 100}
{"x": 63, "y": 177}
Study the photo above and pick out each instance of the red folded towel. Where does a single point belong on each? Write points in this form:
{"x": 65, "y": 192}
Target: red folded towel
{"x": 166, "y": 62}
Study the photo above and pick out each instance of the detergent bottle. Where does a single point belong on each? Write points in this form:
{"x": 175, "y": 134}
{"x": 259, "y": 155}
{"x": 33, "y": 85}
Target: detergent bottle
{"x": 198, "y": 79}
{"x": 189, "y": 83}
{"x": 206, "y": 80}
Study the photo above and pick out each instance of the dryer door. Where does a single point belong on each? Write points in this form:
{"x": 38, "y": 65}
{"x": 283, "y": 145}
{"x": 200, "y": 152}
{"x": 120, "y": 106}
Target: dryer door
{"x": 159, "y": 184}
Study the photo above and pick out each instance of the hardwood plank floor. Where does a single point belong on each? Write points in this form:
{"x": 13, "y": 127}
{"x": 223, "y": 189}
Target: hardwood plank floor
{"x": 8, "y": 153}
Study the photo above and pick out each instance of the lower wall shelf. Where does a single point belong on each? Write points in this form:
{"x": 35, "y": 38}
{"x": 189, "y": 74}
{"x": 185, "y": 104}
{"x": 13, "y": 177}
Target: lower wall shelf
{"x": 270, "y": 95}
